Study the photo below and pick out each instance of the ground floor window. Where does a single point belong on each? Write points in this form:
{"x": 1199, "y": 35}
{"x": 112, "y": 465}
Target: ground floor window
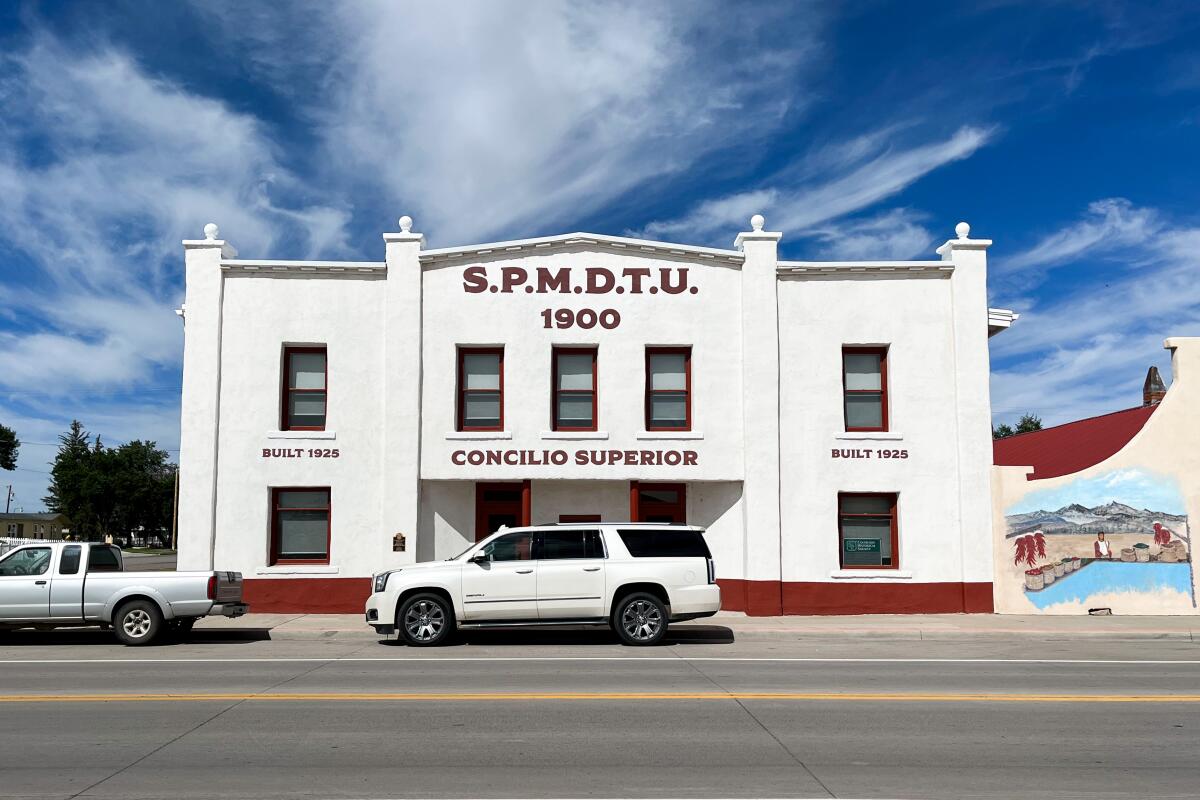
{"x": 498, "y": 504}
{"x": 300, "y": 526}
{"x": 867, "y": 531}
{"x": 658, "y": 502}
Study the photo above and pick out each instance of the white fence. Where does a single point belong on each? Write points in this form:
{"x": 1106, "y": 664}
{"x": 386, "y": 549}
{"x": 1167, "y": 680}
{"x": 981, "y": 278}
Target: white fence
{"x": 9, "y": 542}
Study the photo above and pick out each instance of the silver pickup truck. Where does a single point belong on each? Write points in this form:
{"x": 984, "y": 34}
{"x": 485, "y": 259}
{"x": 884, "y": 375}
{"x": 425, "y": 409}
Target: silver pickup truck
{"x": 69, "y": 584}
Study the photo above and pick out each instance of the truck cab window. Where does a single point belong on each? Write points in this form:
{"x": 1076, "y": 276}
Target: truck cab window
{"x": 30, "y": 561}
{"x": 103, "y": 559}
{"x": 69, "y": 563}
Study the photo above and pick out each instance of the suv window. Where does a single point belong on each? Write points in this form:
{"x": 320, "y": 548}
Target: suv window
{"x": 513, "y": 547}
{"x": 569, "y": 544}
{"x": 664, "y": 543}
{"x": 103, "y": 559}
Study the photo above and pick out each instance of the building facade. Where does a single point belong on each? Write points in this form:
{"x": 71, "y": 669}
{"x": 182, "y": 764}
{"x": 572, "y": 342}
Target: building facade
{"x": 829, "y": 423}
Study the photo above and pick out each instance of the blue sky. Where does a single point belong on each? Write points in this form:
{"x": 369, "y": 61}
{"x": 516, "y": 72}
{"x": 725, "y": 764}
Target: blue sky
{"x": 1066, "y": 132}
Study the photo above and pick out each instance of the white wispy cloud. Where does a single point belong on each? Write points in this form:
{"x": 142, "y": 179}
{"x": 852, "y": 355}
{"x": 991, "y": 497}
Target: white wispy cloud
{"x": 895, "y": 234}
{"x": 1086, "y": 352}
{"x": 842, "y": 181}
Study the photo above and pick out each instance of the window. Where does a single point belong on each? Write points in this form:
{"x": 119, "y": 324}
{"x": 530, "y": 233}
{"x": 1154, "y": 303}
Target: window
{"x": 574, "y": 389}
{"x": 69, "y": 563}
{"x": 867, "y": 531}
{"x": 651, "y": 543}
{"x": 864, "y": 384}
{"x": 658, "y": 502}
{"x": 103, "y": 558}
{"x": 513, "y": 547}
{"x": 300, "y": 526}
{"x": 669, "y": 389}
{"x": 304, "y": 388}
{"x": 30, "y": 561}
{"x": 480, "y": 389}
{"x": 558, "y": 545}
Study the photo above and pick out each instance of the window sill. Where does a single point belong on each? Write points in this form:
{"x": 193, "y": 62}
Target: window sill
{"x": 872, "y": 574}
{"x": 301, "y": 435}
{"x": 478, "y": 435}
{"x": 649, "y": 436}
{"x": 574, "y": 435}
{"x": 882, "y": 436}
{"x": 298, "y": 569}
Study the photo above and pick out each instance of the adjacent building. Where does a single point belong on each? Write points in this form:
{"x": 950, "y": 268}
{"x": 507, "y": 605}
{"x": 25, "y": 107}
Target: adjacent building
{"x": 828, "y": 422}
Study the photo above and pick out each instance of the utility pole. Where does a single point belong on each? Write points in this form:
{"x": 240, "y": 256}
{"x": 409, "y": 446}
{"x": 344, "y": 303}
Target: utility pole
{"x": 8, "y": 498}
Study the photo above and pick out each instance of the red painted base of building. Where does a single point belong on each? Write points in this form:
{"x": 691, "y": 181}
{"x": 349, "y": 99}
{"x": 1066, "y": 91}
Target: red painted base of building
{"x": 306, "y": 595}
{"x": 756, "y": 598}
{"x": 773, "y": 598}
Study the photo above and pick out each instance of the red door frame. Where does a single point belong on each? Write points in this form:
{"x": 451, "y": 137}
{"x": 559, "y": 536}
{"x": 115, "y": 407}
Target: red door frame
{"x": 637, "y": 508}
{"x": 523, "y": 513}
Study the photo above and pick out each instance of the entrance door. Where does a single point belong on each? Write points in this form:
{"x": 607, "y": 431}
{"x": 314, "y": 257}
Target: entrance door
{"x": 658, "y": 502}
{"x": 499, "y": 504}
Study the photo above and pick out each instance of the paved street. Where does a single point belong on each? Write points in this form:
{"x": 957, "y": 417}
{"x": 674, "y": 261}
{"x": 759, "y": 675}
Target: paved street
{"x": 723, "y": 710}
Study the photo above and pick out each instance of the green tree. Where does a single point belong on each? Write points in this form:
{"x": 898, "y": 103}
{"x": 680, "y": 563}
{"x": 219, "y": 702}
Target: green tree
{"x": 1026, "y": 424}
{"x": 9, "y": 444}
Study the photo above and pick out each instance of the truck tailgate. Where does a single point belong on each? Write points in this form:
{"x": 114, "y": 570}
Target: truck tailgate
{"x": 228, "y": 589}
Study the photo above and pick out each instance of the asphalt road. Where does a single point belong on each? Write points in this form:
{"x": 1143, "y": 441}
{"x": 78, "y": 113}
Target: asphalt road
{"x": 575, "y": 715}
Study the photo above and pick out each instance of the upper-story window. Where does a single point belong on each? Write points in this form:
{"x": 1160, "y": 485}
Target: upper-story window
{"x": 305, "y": 387}
{"x": 668, "y": 389}
{"x": 480, "y": 389}
{"x": 864, "y": 383}
{"x": 574, "y": 389}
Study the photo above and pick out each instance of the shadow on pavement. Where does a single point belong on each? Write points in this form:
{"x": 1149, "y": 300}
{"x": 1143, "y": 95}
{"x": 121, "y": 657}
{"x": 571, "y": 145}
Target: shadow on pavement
{"x": 691, "y": 634}
{"x": 92, "y": 636}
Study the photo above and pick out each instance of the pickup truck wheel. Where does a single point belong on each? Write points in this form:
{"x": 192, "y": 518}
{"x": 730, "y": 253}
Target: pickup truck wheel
{"x": 137, "y": 622}
{"x": 640, "y": 619}
{"x": 425, "y": 620}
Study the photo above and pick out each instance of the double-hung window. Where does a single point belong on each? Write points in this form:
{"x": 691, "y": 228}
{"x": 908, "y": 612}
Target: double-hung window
{"x": 300, "y": 526}
{"x": 574, "y": 395}
{"x": 864, "y": 388}
{"x": 867, "y": 531}
{"x": 304, "y": 388}
{"x": 668, "y": 389}
{"x": 480, "y": 389}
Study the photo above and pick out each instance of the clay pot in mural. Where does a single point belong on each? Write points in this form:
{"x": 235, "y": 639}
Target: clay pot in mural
{"x": 1127, "y": 554}
{"x": 1048, "y": 574}
{"x": 1076, "y": 562}
{"x": 1141, "y": 552}
{"x": 1033, "y": 579}
{"x": 1068, "y": 566}
{"x": 1168, "y": 555}
{"x": 1059, "y": 569}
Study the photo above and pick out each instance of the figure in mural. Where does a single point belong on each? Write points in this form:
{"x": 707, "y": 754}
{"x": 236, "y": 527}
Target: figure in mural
{"x": 1119, "y": 539}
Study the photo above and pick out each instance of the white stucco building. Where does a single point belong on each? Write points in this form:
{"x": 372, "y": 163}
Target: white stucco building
{"x": 828, "y": 422}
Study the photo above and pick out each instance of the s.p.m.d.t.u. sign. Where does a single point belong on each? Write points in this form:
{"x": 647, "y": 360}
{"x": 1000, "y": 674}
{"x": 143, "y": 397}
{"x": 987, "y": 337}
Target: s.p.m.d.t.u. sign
{"x": 861, "y": 545}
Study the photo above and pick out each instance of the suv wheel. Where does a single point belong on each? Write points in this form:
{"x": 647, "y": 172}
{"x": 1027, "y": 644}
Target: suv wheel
{"x": 425, "y": 620}
{"x": 640, "y": 619}
{"x": 138, "y": 622}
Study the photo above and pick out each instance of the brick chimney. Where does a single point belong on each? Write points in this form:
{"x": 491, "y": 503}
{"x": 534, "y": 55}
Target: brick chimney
{"x": 1153, "y": 390}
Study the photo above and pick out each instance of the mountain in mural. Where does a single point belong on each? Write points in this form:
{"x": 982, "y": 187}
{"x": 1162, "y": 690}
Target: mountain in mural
{"x": 1112, "y": 517}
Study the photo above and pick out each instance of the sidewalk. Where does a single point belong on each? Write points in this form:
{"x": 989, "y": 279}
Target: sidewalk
{"x": 882, "y": 626}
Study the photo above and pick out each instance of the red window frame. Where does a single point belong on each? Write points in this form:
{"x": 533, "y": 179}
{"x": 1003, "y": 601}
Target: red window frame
{"x": 895, "y": 529}
{"x": 463, "y": 391}
{"x": 686, "y": 352}
{"x": 555, "y": 391}
{"x": 275, "y": 509}
{"x": 882, "y": 352}
{"x": 638, "y": 509}
{"x": 285, "y": 405}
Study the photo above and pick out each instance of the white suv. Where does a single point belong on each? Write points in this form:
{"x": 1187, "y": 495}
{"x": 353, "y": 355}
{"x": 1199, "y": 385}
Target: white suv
{"x": 634, "y": 577}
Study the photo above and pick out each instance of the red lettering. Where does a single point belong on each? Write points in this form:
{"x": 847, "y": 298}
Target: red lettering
{"x": 594, "y": 285}
{"x": 266, "y": 453}
{"x": 512, "y": 457}
{"x": 475, "y": 280}
{"x": 581, "y": 458}
{"x": 647, "y": 458}
{"x": 559, "y": 281}
{"x": 510, "y": 277}
{"x": 635, "y": 275}
{"x": 671, "y": 458}
{"x": 458, "y": 457}
{"x": 665, "y": 280}
{"x": 493, "y": 457}
{"x": 689, "y": 458}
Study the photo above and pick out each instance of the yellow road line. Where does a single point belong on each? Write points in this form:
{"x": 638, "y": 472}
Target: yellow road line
{"x": 874, "y": 697}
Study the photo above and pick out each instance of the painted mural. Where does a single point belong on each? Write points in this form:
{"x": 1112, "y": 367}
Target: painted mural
{"x": 1119, "y": 540}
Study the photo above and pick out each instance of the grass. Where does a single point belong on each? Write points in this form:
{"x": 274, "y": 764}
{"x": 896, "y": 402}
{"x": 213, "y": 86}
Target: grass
{"x": 150, "y": 551}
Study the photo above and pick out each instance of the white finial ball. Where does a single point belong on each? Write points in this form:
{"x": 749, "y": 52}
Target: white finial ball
{"x": 406, "y": 223}
{"x": 963, "y": 230}
{"x": 211, "y": 231}
{"x": 757, "y": 221}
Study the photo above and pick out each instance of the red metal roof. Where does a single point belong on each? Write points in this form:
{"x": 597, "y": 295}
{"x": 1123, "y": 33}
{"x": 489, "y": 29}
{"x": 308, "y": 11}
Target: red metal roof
{"x": 1072, "y": 446}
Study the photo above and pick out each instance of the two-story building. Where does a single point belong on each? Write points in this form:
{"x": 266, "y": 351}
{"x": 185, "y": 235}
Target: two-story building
{"x": 829, "y": 423}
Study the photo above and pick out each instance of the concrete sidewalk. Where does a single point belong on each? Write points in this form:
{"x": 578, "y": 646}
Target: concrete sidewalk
{"x": 881, "y": 626}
